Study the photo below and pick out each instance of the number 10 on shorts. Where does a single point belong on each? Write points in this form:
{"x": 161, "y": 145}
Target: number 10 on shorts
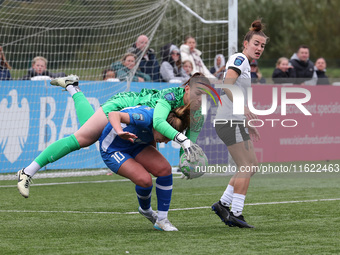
{"x": 118, "y": 156}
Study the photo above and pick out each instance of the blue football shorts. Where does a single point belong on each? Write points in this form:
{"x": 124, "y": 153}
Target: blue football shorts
{"x": 115, "y": 159}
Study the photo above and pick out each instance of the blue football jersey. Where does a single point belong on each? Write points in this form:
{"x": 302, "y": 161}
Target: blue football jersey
{"x": 140, "y": 125}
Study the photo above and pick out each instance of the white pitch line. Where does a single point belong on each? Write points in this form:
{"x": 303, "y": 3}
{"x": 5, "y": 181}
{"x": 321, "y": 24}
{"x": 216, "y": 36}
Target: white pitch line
{"x": 66, "y": 183}
{"x": 177, "y": 209}
{"x": 78, "y": 182}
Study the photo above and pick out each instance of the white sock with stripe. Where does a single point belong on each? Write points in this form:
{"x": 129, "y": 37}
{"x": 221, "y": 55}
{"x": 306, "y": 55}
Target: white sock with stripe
{"x": 164, "y": 192}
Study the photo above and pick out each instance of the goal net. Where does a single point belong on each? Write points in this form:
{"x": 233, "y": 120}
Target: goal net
{"x": 85, "y": 37}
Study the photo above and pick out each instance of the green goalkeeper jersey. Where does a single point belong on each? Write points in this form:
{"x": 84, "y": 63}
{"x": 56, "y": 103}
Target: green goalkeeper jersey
{"x": 163, "y": 101}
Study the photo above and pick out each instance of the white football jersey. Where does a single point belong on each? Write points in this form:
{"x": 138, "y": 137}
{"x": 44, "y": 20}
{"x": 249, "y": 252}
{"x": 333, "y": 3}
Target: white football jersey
{"x": 240, "y": 64}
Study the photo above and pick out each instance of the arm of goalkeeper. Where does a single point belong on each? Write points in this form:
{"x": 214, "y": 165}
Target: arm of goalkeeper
{"x": 191, "y": 150}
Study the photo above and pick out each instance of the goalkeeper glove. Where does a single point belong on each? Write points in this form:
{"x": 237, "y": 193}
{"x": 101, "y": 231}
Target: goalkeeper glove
{"x": 191, "y": 150}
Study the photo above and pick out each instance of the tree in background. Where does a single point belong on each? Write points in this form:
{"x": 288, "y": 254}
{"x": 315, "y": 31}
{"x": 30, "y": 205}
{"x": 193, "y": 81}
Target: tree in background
{"x": 291, "y": 23}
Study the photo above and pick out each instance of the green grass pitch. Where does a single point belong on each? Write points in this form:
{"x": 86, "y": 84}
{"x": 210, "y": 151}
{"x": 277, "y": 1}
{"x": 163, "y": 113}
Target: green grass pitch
{"x": 98, "y": 215}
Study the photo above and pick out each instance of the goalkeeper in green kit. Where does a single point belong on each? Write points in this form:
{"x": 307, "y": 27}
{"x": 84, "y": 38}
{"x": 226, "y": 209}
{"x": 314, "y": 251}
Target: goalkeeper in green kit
{"x": 163, "y": 101}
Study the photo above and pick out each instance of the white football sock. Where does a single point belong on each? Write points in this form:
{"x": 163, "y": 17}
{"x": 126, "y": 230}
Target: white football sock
{"x": 32, "y": 168}
{"x": 72, "y": 89}
{"x": 238, "y": 204}
{"x": 162, "y": 215}
{"x": 227, "y": 196}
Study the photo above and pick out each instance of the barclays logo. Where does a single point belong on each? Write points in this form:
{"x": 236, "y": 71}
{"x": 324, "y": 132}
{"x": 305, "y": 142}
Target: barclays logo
{"x": 14, "y": 126}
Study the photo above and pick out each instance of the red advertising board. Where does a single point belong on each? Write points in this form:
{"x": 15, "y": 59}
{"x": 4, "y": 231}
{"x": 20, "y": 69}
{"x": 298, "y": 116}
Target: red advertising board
{"x": 296, "y": 136}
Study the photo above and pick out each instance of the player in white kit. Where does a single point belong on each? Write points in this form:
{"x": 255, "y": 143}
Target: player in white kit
{"x": 234, "y": 130}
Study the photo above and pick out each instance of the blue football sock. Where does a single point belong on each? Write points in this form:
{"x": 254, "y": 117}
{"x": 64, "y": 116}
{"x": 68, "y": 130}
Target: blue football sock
{"x": 144, "y": 197}
{"x": 164, "y": 192}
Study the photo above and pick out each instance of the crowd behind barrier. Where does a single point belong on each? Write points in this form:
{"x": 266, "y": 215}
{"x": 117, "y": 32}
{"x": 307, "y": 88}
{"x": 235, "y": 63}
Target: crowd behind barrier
{"x": 177, "y": 64}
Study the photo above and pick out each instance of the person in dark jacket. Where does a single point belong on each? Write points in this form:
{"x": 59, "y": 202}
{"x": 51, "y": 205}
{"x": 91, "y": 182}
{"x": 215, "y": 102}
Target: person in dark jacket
{"x": 304, "y": 67}
{"x": 256, "y": 75}
{"x": 4, "y": 67}
{"x": 148, "y": 64}
{"x": 283, "y": 73}
{"x": 320, "y": 69}
{"x": 39, "y": 71}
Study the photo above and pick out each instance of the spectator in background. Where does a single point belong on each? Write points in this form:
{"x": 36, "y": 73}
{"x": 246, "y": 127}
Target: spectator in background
{"x": 320, "y": 69}
{"x": 304, "y": 68}
{"x": 219, "y": 66}
{"x": 148, "y": 63}
{"x": 171, "y": 68}
{"x": 256, "y": 75}
{"x": 283, "y": 73}
{"x": 109, "y": 75}
{"x": 187, "y": 66}
{"x": 189, "y": 52}
{"x": 39, "y": 71}
{"x": 126, "y": 66}
{"x": 4, "y": 67}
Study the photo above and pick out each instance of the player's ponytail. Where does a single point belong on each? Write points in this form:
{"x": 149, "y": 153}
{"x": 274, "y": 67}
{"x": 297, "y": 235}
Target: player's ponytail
{"x": 256, "y": 28}
{"x": 179, "y": 118}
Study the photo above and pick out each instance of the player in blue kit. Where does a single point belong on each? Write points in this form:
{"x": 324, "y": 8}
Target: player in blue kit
{"x": 127, "y": 149}
{"x": 135, "y": 133}
{"x": 93, "y": 123}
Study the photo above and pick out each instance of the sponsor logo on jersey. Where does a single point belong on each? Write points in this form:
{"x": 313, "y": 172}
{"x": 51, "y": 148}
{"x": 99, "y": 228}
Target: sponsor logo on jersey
{"x": 238, "y": 61}
{"x": 170, "y": 96}
{"x": 138, "y": 116}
